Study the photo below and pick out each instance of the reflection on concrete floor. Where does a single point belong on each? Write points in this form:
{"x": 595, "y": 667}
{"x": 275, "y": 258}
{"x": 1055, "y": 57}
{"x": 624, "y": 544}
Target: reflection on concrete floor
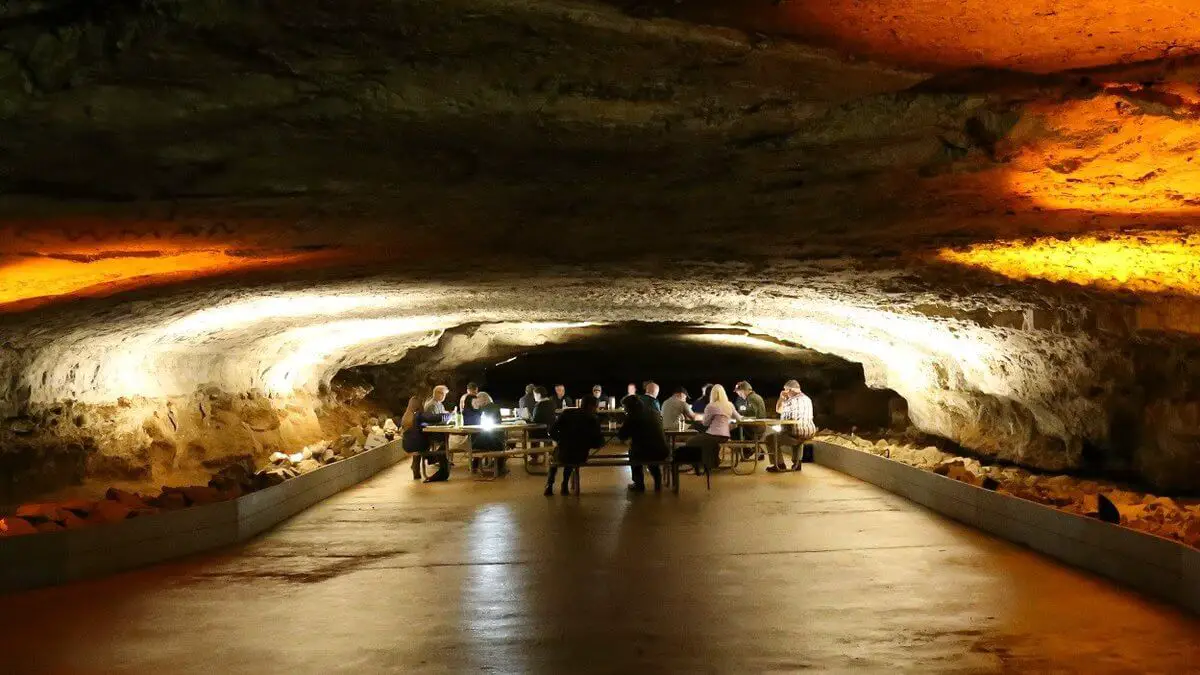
{"x": 763, "y": 573}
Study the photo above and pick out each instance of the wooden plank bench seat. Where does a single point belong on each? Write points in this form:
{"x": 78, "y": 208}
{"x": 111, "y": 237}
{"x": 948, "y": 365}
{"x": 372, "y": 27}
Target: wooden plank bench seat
{"x": 670, "y": 472}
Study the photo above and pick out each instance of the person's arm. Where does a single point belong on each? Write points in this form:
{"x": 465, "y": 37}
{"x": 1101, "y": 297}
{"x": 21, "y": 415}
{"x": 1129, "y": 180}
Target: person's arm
{"x": 706, "y": 419}
{"x": 736, "y": 415}
{"x": 783, "y": 399}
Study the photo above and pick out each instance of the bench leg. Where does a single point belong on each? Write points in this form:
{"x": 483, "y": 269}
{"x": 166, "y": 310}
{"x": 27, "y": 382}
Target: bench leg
{"x": 575, "y": 480}
{"x": 675, "y": 477}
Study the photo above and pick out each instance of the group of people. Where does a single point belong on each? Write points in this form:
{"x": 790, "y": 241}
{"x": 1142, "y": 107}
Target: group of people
{"x": 575, "y": 428}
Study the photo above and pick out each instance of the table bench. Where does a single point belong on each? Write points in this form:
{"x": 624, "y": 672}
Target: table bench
{"x": 670, "y": 471}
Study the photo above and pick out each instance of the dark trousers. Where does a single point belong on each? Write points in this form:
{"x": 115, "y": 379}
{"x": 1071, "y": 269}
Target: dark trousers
{"x": 553, "y": 471}
{"x": 443, "y": 461}
{"x": 639, "y": 478}
{"x": 785, "y": 437}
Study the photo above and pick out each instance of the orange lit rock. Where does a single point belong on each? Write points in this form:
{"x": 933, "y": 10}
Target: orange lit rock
{"x": 1146, "y": 262}
{"x": 108, "y": 511}
{"x": 12, "y": 526}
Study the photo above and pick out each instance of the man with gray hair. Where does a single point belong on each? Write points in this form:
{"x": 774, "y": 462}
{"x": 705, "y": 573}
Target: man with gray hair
{"x": 796, "y": 407}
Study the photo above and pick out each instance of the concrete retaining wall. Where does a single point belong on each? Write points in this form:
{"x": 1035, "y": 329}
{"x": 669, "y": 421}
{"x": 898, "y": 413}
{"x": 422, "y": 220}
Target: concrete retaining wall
{"x": 1159, "y": 567}
{"x": 58, "y": 557}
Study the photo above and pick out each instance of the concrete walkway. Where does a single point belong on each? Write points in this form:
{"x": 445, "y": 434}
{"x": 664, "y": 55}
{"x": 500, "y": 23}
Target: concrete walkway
{"x": 764, "y": 573}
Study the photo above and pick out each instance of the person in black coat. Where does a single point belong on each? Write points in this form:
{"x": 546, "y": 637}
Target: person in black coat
{"x": 415, "y": 440}
{"x": 576, "y": 433}
{"x": 544, "y": 413}
{"x": 647, "y": 442}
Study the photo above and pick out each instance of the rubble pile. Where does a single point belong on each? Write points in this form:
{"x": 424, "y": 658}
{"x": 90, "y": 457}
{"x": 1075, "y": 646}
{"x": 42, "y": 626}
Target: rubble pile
{"x": 231, "y": 482}
{"x": 1103, "y": 500}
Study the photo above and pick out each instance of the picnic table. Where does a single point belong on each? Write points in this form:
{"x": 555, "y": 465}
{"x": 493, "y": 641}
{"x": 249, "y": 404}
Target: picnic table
{"x": 757, "y": 446}
{"x": 488, "y": 457}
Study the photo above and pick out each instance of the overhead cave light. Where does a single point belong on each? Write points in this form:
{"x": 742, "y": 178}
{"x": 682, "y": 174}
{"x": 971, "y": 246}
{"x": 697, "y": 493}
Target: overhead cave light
{"x": 510, "y": 360}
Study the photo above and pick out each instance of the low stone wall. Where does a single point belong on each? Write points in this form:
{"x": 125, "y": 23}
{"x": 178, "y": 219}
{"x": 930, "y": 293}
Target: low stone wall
{"x": 59, "y": 557}
{"x": 1156, "y": 566}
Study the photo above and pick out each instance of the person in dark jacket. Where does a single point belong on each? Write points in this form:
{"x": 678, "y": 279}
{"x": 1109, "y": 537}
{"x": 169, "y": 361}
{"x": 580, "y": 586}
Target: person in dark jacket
{"x": 561, "y": 400}
{"x": 494, "y": 439}
{"x": 528, "y": 401}
{"x": 701, "y": 401}
{"x": 544, "y": 412}
{"x": 415, "y": 440}
{"x": 649, "y": 397}
{"x": 576, "y": 433}
{"x": 470, "y": 411}
{"x": 647, "y": 442}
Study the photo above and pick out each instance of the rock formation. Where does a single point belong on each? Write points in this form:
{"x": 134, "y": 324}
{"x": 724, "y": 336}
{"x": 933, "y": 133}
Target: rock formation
{"x": 207, "y": 211}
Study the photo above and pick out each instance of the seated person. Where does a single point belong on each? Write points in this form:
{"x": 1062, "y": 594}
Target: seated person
{"x": 649, "y": 396}
{"x": 415, "y": 440}
{"x": 793, "y": 404}
{"x": 492, "y": 440}
{"x": 677, "y": 414}
{"x": 699, "y": 403}
{"x": 702, "y": 449}
{"x": 470, "y": 410}
{"x": 749, "y": 404}
{"x": 576, "y": 433}
{"x": 543, "y": 413}
{"x": 527, "y": 401}
{"x": 598, "y": 394}
{"x": 647, "y": 443}
{"x": 561, "y": 400}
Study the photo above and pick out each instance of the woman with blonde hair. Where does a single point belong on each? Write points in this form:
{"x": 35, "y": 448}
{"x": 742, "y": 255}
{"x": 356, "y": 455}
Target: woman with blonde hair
{"x": 702, "y": 449}
{"x": 416, "y": 441}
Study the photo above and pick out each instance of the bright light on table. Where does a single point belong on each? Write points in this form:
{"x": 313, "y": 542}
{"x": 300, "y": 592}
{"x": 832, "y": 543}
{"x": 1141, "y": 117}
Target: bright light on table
{"x": 777, "y": 428}
{"x": 487, "y": 422}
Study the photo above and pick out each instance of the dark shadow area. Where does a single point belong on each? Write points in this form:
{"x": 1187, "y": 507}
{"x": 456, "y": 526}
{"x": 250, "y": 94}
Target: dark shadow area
{"x": 669, "y": 354}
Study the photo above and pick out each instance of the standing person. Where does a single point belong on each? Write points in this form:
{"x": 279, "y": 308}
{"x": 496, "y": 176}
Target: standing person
{"x": 415, "y": 440}
{"x": 561, "y": 400}
{"x": 544, "y": 412}
{"x": 464, "y": 402}
{"x": 576, "y": 433}
{"x": 702, "y": 401}
{"x": 493, "y": 439}
{"x": 793, "y": 404}
{"x": 703, "y": 447}
{"x": 676, "y": 413}
{"x": 649, "y": 396}
{"x": 527, "y": 401}
{"x": 647, "y": 443}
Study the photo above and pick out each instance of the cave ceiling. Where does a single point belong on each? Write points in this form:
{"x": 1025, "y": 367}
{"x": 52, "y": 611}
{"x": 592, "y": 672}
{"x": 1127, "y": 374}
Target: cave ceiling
{"x": 989, "y": 204}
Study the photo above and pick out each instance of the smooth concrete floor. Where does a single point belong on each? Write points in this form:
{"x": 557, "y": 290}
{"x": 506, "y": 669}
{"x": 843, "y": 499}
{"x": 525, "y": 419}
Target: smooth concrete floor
{"x": 811, "y": 571}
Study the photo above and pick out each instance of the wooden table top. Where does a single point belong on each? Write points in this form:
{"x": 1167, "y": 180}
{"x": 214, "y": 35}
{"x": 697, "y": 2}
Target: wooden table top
{"x": 478, "y": 428}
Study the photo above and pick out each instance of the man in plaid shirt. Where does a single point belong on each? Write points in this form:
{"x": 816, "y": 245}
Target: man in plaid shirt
{"x": 793, "y": 405}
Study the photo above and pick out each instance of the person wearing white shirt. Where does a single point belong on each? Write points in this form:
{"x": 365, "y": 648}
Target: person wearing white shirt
{"x": 796, "y": 406}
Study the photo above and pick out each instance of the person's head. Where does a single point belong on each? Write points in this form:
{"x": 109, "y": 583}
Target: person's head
{"x": 560, "y": 391}
{"x": 792, "y": 386}
{"x": 410, "y": 412}
{"x": 743, "y": 388}
{"x": 632, "y": 405}
{"x": 717, "y": 394}
{"x": 631, "y": 389}
{"x": 597, "y": 391}
{"x": 650, "y": 387}
{"x": 529, "y": 388}
{"x": 589, "y": 404}
{"x": 482, "y": 399}
{"x": 540, "y": 394}
{"x": 439, "y": 393}
{"x": 681, "y": 393}
{"x": 472, "y": 388}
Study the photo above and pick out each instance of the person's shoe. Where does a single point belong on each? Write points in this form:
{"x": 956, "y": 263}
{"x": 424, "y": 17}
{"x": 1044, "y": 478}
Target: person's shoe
{"x": 798, "y": 466}
{"x": 776, "y": 469}
{"x": 437, "y": 478}
{"x": 635, "y": 487}
{"x": 549, "y": 491}
{"x": 416, "y": 476}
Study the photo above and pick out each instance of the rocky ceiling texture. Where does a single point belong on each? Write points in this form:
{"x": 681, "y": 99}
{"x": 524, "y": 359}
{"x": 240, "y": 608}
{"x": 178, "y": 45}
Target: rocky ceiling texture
{"x": 209, "y": 208}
